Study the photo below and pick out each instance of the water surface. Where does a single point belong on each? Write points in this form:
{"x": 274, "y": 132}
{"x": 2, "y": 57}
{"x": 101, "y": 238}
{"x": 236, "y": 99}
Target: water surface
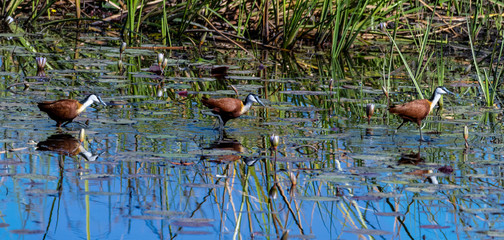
{"x": 152, "y": 165}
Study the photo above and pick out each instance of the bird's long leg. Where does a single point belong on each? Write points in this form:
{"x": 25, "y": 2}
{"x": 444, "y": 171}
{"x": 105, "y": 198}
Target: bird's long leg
{"x": 399, "y": 127}
{"x": 221, "y": 123}
{"x": 216, "y": 122}
{"x": 222, "y": 134}
{"x": 421, "y": 137}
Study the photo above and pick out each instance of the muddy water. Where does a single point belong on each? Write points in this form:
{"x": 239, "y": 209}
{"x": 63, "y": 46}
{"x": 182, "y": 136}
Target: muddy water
{"x": 153, "y": 166}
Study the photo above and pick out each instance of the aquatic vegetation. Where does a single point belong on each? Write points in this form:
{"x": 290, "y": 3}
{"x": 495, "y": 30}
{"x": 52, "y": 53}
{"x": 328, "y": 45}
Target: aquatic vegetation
{"x": 335, "y": 172}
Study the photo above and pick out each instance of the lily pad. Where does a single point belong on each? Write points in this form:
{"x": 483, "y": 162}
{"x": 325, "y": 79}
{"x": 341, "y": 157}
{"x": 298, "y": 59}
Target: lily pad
{"x": 193, "y": 232}
{"x": 389, "y": 214}
{"x": 433, "y": 227}
{"x": 146, "y": 217}
{"x": 368, "y": 232}
{"x": 35, "y": 177}
{"x": 119, "y": 121}
{"x": 164, "y": 213}
{"x": 202, "y": 185}
{"x": 193, "y": 222}
{"x": 41, "y": 191}
{"x": 26, "y": 231}
{"x": 319, "y": 199}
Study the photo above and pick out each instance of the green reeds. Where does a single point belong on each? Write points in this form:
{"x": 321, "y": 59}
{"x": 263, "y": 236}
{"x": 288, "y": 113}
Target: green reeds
{"x": 134, "y": 18}
{"x": 8, "y": 7}
{"x": 295, "y": 17}
{"x": 350, "y": 18}
{"x": 440, "y": 73}
{"x": 420, "y": 64}
{"x": 165, "y": 30}
{"x": 487, "y": 86}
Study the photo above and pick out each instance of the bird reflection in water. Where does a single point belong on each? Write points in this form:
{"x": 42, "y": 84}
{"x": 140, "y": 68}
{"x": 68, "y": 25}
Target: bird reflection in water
{"x": 230, "y": 147}
{"x": 415, "y": 159}
{"x": 411, "y": 158}
{"x": 66, "y": 144}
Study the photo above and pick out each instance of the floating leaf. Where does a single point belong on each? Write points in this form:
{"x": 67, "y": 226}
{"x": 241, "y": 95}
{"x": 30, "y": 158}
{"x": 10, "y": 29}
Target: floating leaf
{"x": 194, "y": 232}
{"x": 164, "y": 213}
{"x": 293, "y": 159}
{"x": 428, "y": 197}
{"x": 102, "y": 193}
{"x": 433, "y": 227}
{"x": 372, "y": 157}
{"x": 175, "y": 155}
{"x": 386, "y": 195}
{"x": 111, "y": 80}
{"x": 368, "y": 231}
{"x": 484, "y": 210}
{"x": 300, "y": 236}
{"x": 420, "y": 189}
{"x": 176, "y": 86}
{"x": 143, "y": 176}
{"x": 243, "y": 78}
{"x": 35, "y": 176}
{"x": 119, "y": 121}
{"x": 146, "y": 217}
{"x": 41, "y": 191}
{"x": 366, "y": 198}
{"x": 193, "y": 222}
{"x": 26, "y": 231}
{"x": 164, "y": 136}
{"x": 389, "y": 214}
{"x": 18, "y": 149}
{"x": 494, "y": 233}
{"x": 202, "y": 185}
{"x": 319, "y": 199}
{"x": 11, "y": 162}
{"x": 305, "y": 92}
{"x": 103, "y": 176}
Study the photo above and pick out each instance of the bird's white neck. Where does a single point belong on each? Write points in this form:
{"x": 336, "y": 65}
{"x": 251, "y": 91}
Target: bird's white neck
{"x": 84, "y": 105}
{"x": 434, "y": 100}
{"x": 246, "y": 107}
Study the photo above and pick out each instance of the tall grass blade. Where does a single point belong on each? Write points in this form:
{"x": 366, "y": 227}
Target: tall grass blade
{"x": 408, "y": 69}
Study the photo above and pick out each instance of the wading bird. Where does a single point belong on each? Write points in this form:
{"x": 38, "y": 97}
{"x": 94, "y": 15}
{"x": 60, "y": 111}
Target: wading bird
{"x": 65, "y": 110}
{"x": 230, "y": 108}
{"x": 417, "y": 110}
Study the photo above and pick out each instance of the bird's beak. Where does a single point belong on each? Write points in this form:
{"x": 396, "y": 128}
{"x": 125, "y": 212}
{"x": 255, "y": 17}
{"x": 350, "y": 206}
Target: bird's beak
{"x": 259, "y": 101}
{"x": 101, "y": 101}
{"x": 449, "y": 92}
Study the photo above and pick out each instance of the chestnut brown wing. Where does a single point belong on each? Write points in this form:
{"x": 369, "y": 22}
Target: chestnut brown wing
{"x": 221, "y": 106}
{"x": 414, "y": 111}
{"x": 63, "y": 110}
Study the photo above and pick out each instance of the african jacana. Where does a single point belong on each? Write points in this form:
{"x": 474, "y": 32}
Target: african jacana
{"x": 65, "y": 110}
{"x": 230, "y": 108}
{"x": 417, "y": 110}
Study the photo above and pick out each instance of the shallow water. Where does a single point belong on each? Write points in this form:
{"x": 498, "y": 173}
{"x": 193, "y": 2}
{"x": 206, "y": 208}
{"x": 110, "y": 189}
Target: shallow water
{"x": 156, "y": 168}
